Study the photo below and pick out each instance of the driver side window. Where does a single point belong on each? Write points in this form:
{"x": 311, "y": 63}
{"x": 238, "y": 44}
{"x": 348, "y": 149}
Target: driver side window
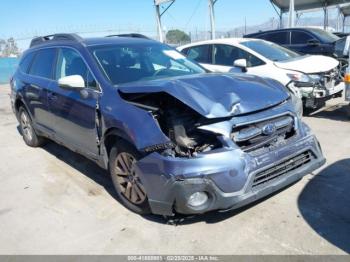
{"x": 226, "y": 55}
{"x": 69, "y": 62}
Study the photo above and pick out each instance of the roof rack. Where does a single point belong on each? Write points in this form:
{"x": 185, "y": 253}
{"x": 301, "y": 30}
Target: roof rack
{"x": 135, "y": 35}
{"x": 55, "y": 37}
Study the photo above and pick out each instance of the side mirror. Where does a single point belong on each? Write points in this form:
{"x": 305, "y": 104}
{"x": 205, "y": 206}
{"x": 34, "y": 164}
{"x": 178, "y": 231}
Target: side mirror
{"x": 241, "y": 63}
{"x": 72, "y": 82}
{"x": 313, "y": 42}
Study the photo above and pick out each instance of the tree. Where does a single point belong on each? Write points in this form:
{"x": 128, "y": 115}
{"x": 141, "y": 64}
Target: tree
{"x": 10, "y": 48}
{"x": 2, "y": 44}
{"x": 177, "y": 37}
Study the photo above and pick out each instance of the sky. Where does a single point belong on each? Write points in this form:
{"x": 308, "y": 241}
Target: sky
{"x": 23, "y": 19}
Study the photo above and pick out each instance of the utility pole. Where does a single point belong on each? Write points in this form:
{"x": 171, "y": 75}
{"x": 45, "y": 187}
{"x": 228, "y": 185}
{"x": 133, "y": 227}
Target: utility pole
{"x": 212, "y": 18}
{"x": 159, "y": 14}
{"x": 325, "y": 17}
{"x": 159, "y": 24}
{"x": 291, "y": 14}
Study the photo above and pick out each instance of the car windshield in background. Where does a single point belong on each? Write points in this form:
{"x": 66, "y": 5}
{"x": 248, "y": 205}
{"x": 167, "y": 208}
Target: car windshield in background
{"x": 140, "y": 62}
{"x": 270, "y": 51}
{"x": 325, "y": 36}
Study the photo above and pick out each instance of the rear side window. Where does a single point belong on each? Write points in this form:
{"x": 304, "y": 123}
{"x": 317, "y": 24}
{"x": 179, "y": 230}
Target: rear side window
{"x": 198, "y": 53}
{"x": 25, "y": 62}
{"x": 281, "y": 38}
{"x": 299, "y": 37}
{"x": 43, "y": 63}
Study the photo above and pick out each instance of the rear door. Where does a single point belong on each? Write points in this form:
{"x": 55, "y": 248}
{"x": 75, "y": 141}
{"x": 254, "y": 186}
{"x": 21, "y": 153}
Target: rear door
{"x": 281, "y": 38}
{"x": 35, "y": 88}
{"x": 300, "y": 42}
{"x": 74, "y": 113}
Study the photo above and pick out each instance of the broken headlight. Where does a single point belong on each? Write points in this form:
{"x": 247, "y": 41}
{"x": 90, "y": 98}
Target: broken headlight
{"x": 315, "y": 78}
{"x": 300, "y": 78}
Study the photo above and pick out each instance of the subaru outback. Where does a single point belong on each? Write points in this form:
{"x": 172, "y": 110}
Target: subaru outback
{"x": 174, "y": 138}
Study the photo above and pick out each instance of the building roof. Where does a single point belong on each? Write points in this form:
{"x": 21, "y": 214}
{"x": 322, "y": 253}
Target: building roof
{"x": 300, "y": 5}
{"x": 345, "y": 10}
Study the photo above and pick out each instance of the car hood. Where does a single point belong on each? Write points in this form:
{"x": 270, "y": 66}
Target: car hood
{"x": 309, "y": 64}
{"x": 216, "y": 95}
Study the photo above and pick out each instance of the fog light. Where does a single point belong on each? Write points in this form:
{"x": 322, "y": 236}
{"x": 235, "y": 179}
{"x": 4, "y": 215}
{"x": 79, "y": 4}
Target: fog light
{"x": 197, "y": 199}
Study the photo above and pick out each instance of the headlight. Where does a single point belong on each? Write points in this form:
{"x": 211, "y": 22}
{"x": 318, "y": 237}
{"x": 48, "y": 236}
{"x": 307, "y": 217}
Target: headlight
{"x": 299, "y": 77}
{"x": 298, "y": 105}
{"x": 315, "y": 78}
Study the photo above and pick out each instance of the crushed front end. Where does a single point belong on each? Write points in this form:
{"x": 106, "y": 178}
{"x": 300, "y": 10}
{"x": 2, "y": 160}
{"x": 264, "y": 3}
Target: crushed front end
{"x": 226, "y": 163}
{"x": 318, "y": 88}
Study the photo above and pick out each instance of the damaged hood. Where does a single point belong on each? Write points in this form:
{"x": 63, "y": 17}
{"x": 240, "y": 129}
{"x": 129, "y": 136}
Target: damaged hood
{"x": 216, "y": 95}
{"x": 309, "y": 64}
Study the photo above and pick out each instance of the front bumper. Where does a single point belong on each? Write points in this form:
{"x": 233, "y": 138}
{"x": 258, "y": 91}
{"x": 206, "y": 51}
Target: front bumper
{"x": 226, "y": 176}
{"x": 322, "y": 92}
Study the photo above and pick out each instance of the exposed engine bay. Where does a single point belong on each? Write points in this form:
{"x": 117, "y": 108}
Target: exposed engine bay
{"x": 178, "y": 122}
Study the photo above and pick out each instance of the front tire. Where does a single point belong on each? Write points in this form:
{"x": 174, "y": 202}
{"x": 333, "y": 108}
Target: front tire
{"x": 127, "y": 183}
{"x": 27, "y": 130}
{"x": 347, "y": 110}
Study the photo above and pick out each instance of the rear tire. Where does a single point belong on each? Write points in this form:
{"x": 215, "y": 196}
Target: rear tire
{"x": 28, "y": 132}
{"x": 347, "y": 110}
{"x": 127, "y": 183}
{"x": 307, "y": 111}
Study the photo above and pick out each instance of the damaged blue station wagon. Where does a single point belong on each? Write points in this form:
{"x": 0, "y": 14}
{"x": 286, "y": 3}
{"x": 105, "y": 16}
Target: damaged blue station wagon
{"x": 173, "y": 137}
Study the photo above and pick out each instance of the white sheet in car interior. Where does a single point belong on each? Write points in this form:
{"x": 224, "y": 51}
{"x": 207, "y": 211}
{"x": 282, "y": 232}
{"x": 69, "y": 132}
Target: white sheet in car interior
{"x": 309, "y": 64}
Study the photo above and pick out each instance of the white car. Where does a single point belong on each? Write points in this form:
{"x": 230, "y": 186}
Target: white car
{"x": 314, "y": 78}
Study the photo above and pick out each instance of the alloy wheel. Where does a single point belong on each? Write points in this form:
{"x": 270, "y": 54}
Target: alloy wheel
{"x": 26, "y": 126}
{"x": 127, "y": 179}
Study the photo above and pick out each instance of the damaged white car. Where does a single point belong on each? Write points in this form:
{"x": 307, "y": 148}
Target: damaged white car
{"x": 314, "y": 78}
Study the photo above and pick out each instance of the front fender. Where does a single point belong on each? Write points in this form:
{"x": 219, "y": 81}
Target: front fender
{"x": 135, "y": 125}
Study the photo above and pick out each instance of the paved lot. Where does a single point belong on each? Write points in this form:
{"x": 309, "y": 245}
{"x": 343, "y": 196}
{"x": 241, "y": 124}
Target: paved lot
{"x": 53, "y": 201}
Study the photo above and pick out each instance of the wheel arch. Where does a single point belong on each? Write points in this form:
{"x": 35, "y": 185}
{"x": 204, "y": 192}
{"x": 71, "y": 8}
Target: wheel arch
{"x": 111, "y": 137}
{"x": 20, "y": 103}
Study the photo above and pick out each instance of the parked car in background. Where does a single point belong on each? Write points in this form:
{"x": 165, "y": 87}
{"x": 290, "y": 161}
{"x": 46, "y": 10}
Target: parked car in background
{"x": 313, "y": 41}
{"x": 315, "y": 78}
{"x": 173, "y": 137}
{"x": 341, "y": 34}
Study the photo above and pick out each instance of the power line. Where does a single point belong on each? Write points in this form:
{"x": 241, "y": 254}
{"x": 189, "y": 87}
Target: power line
{"x": 193, "y": 13}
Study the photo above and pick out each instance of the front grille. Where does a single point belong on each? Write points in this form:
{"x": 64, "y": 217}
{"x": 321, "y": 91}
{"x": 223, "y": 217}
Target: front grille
{"x": 282, "y": 168}
{"x": 272, "y": 132}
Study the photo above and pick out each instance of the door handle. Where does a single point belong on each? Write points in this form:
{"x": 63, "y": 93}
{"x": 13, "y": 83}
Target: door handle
{"x": 52, "y": 96}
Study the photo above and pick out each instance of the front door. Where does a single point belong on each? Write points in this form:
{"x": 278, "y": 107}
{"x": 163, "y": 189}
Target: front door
{"x": 74, "y": 113}
{"x": 224, "y": 57}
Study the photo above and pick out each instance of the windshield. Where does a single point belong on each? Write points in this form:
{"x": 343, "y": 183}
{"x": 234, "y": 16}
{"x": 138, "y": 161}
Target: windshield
{"x": 270, "y": 50}
{"x": 140, "y": 62}
{"x": 325, "y": 36}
